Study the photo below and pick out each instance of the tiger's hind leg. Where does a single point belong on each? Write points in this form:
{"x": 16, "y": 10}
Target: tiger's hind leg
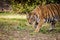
{"x": 52, "y": 25}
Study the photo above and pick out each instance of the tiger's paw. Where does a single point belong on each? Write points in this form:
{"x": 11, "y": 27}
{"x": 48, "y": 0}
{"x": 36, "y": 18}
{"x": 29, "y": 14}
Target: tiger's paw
{"x": 36, "y": 31}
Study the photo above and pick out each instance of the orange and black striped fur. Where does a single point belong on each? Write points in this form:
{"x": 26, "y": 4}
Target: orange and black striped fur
{"x": 46, "y": 13}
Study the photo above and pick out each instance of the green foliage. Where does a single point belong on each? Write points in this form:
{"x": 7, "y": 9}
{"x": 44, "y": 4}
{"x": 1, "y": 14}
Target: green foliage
{"x": 22, "y": 6}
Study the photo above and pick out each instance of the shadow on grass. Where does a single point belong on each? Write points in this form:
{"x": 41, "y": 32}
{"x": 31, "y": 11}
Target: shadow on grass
{"x": 46, "y": 30}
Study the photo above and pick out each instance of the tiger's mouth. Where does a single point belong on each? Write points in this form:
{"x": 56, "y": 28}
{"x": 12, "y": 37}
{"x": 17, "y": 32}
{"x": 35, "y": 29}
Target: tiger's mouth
{"x": 30, "y": 23}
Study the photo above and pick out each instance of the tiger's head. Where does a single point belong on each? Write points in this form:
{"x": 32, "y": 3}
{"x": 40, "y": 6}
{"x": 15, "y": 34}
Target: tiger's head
{"x": 32, "y": 17}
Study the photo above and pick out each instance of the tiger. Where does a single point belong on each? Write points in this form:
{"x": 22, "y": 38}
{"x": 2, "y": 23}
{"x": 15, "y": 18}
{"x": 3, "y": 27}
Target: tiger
{"x": 49, "y": 13}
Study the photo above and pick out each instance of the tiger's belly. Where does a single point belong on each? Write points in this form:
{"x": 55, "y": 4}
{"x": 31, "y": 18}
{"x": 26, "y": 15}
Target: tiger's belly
{"x": 52, "y": 19}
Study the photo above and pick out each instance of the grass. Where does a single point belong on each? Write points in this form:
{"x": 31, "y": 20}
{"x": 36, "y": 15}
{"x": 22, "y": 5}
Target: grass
{"x": 45, "y": 29}
{"x": 17, "y": 24}
{"x": 20, "y": 24}
{"x": 5, "y": 13}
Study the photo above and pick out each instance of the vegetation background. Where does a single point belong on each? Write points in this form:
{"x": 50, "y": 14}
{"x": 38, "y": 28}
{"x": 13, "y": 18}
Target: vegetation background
{"x": 22, "y": 6}
{"x": 14, "y": 25}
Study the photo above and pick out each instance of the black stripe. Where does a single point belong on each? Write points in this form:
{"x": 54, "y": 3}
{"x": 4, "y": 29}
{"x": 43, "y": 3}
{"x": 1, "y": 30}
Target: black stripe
{"x": 58, "y": 9}
{"x": 52, "y": 7}
{"x": 42, "y": 11}
{"x": 56, "y": 6}
{"x": 45, "y": 12}
{"x": 49, "y": 7}
{"x": 55, "y": 9}
{"x": 48, "y": 10}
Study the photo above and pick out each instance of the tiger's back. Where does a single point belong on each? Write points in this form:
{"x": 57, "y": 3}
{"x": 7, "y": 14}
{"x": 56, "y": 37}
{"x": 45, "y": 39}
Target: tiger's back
{"x": 49, "y": 12}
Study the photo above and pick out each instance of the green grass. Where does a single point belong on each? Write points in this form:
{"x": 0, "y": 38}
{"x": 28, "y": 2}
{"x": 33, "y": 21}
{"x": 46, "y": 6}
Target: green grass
{"x": 14, "y": 24}
{"x": 45, "y": 29}
{"x": 5, "y": 13}
{"x": 20, "y": 24}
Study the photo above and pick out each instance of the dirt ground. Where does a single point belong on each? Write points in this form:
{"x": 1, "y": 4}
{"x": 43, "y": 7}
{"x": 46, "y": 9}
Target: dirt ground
{"x": 25, "y": 35}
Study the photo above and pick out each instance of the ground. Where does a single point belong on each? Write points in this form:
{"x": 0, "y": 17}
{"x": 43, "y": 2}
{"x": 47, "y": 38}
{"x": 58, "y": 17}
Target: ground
{"x": 13, "y": 28}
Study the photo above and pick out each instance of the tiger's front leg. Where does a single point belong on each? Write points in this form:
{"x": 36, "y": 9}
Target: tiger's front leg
{"x": 39, "y": 26}
{"x": 35, "y": 25}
